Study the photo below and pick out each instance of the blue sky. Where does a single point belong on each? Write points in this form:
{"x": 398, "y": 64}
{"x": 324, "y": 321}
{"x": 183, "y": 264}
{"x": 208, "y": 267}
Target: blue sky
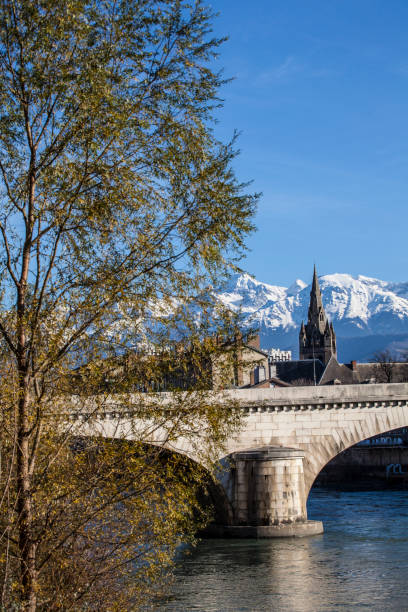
{"x": 320, "y": 95}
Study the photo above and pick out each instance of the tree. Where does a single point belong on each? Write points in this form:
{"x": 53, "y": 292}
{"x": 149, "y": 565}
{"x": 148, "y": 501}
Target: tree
{"x": 119, "y": 212}
{"x": 387, "y": 368}
{"x": 384, "y": 370}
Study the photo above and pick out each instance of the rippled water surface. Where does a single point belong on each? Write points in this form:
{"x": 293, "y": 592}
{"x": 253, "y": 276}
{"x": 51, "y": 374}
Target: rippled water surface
{"x": 360, "y": 563}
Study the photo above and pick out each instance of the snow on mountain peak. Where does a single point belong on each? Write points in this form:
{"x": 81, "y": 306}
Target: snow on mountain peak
{"x": 296, "y": 287}
{"x": 244, "y": 292}
{"x": 358, "y": 307}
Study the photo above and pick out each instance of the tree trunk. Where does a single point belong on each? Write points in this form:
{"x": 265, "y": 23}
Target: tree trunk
{"x": 27, "y": 546}
{"x": 26, "y": 543}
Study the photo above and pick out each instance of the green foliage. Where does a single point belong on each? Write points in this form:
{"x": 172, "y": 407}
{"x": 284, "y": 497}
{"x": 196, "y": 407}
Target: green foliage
{"x": 119, "y": 211}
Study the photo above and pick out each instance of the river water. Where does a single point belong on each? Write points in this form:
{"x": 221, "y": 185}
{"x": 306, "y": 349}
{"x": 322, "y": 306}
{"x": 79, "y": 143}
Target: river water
{"x": 359, "y": 563}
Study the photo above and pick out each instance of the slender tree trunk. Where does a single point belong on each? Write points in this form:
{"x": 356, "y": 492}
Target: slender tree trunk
{"x": 26, "y": 543}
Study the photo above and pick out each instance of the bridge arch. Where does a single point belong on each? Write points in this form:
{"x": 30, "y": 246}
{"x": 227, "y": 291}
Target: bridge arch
{"x": 211, "y": 493}
{"x": 348, "y": 433}
{"x": 316, "y": 422}
{"x": 310, "y": 425}
{"x": 320, "y": 421}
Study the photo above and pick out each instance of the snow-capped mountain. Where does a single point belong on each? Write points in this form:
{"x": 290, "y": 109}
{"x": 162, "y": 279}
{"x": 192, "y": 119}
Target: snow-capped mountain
{"x": 368, "y": 314}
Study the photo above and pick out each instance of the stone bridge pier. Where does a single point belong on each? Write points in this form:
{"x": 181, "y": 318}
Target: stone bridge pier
{"x": 267, "y": 495}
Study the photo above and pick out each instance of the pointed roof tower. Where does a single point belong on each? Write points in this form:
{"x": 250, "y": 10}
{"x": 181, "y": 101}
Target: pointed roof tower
{"x": 315, "y": 281}
{"x": 316, "y": 314}
{"x": 317, "y": 339}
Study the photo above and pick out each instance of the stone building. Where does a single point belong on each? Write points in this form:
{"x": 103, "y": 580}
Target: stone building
{"x": 252, "y": 366}
{"x": 317, "y": 339}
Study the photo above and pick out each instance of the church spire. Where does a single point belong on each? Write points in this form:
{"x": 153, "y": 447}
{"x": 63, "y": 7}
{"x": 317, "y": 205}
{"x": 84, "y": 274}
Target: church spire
{"x": 317, "y": 339}
{"x": 315, "y": 282}
{"x": 315, "y": 292}
{"x": 316, "y": 314}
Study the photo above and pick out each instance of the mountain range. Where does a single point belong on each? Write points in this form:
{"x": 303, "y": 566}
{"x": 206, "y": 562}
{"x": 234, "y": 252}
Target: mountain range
{"x": 368, "y": 315}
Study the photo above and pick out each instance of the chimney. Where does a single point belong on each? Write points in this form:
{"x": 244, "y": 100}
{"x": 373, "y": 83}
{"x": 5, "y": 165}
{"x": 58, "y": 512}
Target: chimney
{"x": 255, "y": 342}
{"x": 353, "y": 365}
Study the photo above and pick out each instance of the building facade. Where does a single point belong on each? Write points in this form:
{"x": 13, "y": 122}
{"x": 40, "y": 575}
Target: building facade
{"x": 276, "y": 354}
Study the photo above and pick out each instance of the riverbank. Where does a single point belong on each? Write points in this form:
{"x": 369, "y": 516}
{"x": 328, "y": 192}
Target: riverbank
{"x": 367, "y": 468}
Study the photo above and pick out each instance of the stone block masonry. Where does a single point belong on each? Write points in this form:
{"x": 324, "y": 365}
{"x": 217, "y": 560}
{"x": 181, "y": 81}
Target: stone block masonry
{"x": 287, "y": 436}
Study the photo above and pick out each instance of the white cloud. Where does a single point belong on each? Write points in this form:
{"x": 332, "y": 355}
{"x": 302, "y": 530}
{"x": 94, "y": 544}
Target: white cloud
{"x": 288, "y": 68}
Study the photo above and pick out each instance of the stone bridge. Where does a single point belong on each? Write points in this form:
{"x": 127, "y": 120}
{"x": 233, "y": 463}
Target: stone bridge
{"x": 288, "y": 435}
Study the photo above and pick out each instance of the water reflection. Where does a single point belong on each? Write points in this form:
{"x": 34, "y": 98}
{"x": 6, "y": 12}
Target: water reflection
{"x": 361, "y": 562}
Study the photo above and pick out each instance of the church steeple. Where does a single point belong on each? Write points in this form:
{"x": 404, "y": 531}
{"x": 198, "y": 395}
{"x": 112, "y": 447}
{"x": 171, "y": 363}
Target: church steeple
{"x": 316, "y": 314}
{"x": 315, "y": 282}
{"x": 317, "y": 340}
